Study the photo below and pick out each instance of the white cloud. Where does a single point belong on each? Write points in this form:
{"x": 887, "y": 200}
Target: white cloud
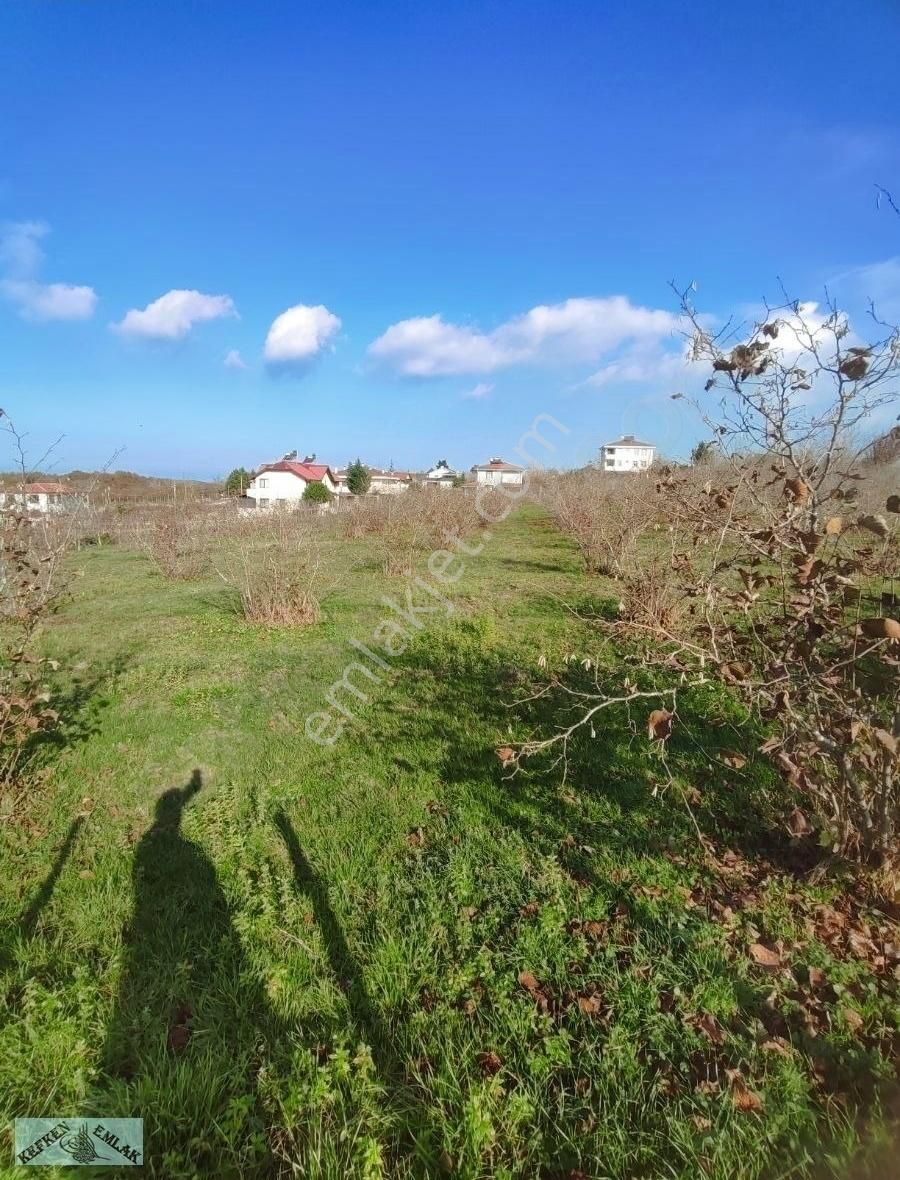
{"x": 21, "y": 257}
{"x": 234, "y": 360}
{"x": 638, "y": 366}
{"x": 298, "y": 335}
{"x": 172, "y": 316}
{"x": 878, "y": 282}
{"x": 20, "y": 252}
{"x": 576, "y": 330}
{"x": 482, "y": 389}
{"x": 50, "y": 301}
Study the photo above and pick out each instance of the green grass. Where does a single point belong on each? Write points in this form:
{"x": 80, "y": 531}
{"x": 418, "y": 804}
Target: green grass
{"x": 341, "y": 931}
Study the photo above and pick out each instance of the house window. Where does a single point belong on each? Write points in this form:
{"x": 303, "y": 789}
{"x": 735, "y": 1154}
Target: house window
{"x": 281, "y": 501}
{"x": 33, "y": 498}
{"x": 264, "y": 503}
{"x": 263, "y": 483}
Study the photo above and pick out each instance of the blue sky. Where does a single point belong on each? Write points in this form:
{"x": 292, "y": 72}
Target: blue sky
{"x": 533, "y": 174}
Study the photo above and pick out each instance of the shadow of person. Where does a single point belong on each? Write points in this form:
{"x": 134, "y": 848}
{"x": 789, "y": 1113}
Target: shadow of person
{"x": 28, "y": 923}
{"x": 412, "y": 1124}
{"x": 187, "y": 1036}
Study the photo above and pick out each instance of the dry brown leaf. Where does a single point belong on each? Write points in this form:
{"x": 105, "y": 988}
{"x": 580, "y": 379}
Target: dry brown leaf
{"x": 816, "y": 977}
{"x": 415, "y": 838}
{"x": 887, "y": 740}
{"x": 796, "y": 490}
{"x": 528, "y": 981}
{"x": 490, "y": 1063}
{"x": 777, "y": 1045}
{"x": 834, "y": 526}
{"x": 733, "y": 759}
{"x": 763, "y": 957}
{"x": 530, "y": 909}
{"x": 798, "y": 824}
{"x": 880, "y": 628}
{"x": 701, "y": 1122}
{"x": 659, "y": 725}
{"x": 854, "y": 367}
{"x": 506, "y": 754}
{"x": 852, "y": 1019}
{"x": 710, "y": 1027}
{"x": 744, "y": 1099}
{"x": 590, "y": 1005}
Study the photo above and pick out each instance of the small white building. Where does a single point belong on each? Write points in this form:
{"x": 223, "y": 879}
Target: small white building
{"x": 441, "y": 475}
{"x": 43, "y": 497}
{"x": 282, "y": 484}
{"x": 497, "y": 471}
{"x": 627, "y": 454}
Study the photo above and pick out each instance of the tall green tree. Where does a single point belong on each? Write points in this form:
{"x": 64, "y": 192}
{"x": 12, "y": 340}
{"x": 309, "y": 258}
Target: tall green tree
{"x": 358, "y": 478}
{"x": 237, "y": 481}
{"x": 703, "y": 452}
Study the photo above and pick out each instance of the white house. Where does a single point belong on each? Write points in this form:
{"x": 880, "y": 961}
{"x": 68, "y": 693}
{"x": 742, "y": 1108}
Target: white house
{"x": 43, "y": 497}
{"x": 627, "y": 454}
{"x": 441, "y": 475}
{"x": 497, "y": 471}
{"x": 282, "y": 484}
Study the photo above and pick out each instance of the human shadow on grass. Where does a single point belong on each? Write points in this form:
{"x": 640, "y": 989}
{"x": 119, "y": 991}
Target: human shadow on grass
{"x": 183, "y": 1045}
{"x": 370, "y": 1027}
{"x": 28, "y": 923}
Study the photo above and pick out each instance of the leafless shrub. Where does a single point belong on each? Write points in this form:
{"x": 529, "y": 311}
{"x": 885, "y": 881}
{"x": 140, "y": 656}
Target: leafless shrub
{"x": 606, "y": 514}
{"x": 404, "y": 527}
{"x": 30, "y": 588}
{"x": 782, "y": 579}
{"x": 175, "y": 540}
{"x": 278, "y": 568}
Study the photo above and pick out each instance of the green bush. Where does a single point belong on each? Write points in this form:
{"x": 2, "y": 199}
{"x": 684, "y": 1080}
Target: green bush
{"x": 316, "y": 493}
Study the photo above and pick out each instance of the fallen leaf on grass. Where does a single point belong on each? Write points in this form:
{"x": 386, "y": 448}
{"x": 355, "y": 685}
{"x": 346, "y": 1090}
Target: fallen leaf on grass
{"x": 743, "y": 1098}
{"x": 710, "y": 1027}
{"x": 179, "y": 1029}
{"x": 777, "y": 1045}
{"x": 701, "y": 1122}
{"x": 528, "y": 981}
{"x": 530, "y": 909}
{"x": 659, "y": 725}
{"x": 852, "y": 1019}
{"x": 798, "y": 824}
{"x": 506, "y": 754}
{"x": 816, "y": 977}
{"x": 763, "y": 957}
{"x": 590, "y": 1005}
{"x": 86, "y": 874}
{"x": 733, "y": 759}
{"x": 490, "y": 1063}
{"x": 415, "y": 838}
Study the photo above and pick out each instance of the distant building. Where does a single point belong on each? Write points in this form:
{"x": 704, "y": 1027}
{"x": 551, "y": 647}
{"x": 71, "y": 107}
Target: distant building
{"x": 497, "y": 471}
{"x": 381, "y": 482}
{"x": 43, "y": 497}
{"x": 627, "y": 454}
{"x": 282, "y": 484}
{"x": 441, "y": 475}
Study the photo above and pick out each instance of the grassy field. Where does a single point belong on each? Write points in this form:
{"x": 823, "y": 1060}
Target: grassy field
{"x": 384, "y": 958}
